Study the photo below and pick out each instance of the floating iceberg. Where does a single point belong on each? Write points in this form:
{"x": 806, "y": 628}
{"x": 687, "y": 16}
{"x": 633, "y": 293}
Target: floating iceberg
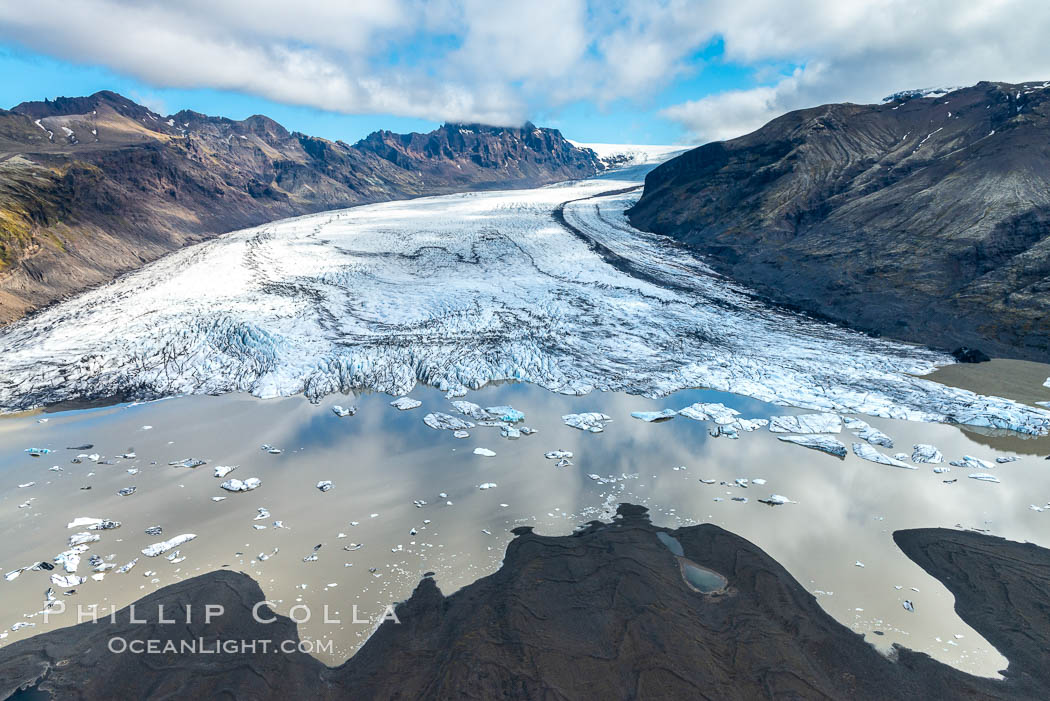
{"x": 505, "y": 413}
{"x": 925, "y": 453}
{"x": 825, "y": 444}
{"x": 223, "y": 470}
{"x": 344, "y": 411}
{"x": 446, "y": 422}
{"x": 406, "y": 403}
{"x": 702, "y": 411}
{"x": 865, "y": 431}
{"x": 188, "y": 462}
{"x": 592, "y": 421}
{"x": 866, "y": 452}
{"x": 236, "y": 485}
{"x": 93, "y": 524}
{"x": 67, "y": 581}
{"x": 968, "y": 461}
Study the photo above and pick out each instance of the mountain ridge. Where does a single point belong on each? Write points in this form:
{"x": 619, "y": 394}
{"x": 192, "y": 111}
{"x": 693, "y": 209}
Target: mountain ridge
{"x": 92, "y": 187}
{"x": 925, "y": 218}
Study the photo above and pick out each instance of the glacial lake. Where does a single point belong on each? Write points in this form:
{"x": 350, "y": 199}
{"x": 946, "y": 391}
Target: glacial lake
{"x": 835, "y": 537}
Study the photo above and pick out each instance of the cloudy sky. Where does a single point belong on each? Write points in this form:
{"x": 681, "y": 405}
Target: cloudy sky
{"x": 616, "y": 70}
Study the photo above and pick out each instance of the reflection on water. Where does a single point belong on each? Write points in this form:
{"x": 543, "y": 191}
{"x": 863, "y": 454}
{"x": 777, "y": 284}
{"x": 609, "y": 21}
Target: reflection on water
{"x": 376, "y": 542}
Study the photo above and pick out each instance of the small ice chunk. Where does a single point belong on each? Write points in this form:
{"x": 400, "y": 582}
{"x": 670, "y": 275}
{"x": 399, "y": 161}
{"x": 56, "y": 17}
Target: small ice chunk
{"x": 983, "y": 477}
{"x": 188, "y": 462}
{"x": 651, "y": 416}
{"x": 223, "y": 470}
{"x": 776, "y": 500}
{"x": 487, "y": 485}
{"x": 325, "y": 485}
{"x": 461, "y": 434}
{"x": 909, "y": 606}
{"x": 83, "y": 537}
{"x": 969, "y": 461}
{"x": 925, "y": 453}
{"x": 344, "y": 411}
{"x": 558, "y": 454}
{"x": 166, "y": 545}
{"x": 154, "y": 530}
{"x": 1003, "y": 459}
{"x": 236, "y": 485}
{"x": 806, "y": 423}
{"x": 406, "y": 403}
{"x": 510, "y": 433}
{"x": 484, "y": 452}
{"x": 127, "y": 491}
{"x": 67, "y": 581}
{"x": 84, "y": 521}
{"x": 824, "y": 444}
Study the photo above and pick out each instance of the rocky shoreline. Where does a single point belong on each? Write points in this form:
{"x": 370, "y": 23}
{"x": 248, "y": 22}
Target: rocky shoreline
{"x": 606, "y": 612}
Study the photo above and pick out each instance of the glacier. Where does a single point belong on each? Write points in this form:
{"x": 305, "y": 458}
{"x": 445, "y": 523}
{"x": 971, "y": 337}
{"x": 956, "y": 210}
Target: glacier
{"x": 548, "y": 285}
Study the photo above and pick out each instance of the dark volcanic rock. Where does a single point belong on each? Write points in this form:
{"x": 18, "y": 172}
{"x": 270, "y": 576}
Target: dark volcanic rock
{"x": 94, "y": 186}
{"x": 604, "y": 613}
{"x": 970, "y": 355}
{"x": 924, "y": 218}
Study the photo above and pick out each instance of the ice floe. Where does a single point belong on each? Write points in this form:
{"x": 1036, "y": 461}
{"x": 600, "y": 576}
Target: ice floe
{"x": 485, "y": 452}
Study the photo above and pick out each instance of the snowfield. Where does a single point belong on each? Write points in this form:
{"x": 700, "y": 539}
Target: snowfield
{"x": 549, "y": 285}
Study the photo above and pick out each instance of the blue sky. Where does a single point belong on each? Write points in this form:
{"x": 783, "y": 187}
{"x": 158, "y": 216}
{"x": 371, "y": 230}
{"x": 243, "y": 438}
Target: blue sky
{"x": 34, "y": 76}
{"x": 641, "y": 71}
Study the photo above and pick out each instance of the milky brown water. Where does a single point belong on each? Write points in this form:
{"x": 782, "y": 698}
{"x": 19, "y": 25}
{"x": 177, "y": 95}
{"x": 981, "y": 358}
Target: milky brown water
{"x": 381, "y": 460}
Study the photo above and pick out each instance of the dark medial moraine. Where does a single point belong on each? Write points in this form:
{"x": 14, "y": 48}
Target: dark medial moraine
{"x": 925, "y": 219}
{"x": 607, "y": 612}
